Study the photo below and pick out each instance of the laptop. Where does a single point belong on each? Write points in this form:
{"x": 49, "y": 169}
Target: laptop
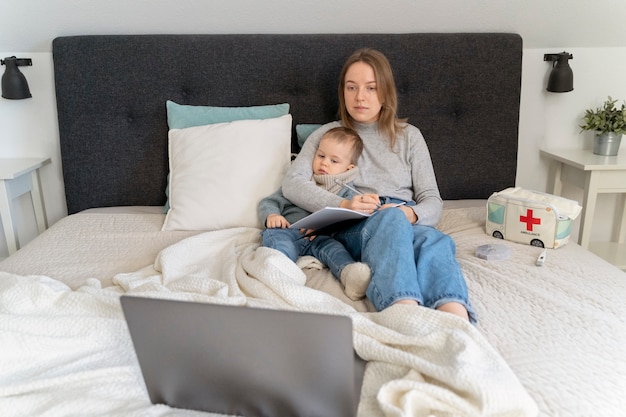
{"x": 245, "y": 361}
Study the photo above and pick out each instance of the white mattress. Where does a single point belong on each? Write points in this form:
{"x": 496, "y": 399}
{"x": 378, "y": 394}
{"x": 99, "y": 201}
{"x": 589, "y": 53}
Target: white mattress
{"x": 560, "y": 328}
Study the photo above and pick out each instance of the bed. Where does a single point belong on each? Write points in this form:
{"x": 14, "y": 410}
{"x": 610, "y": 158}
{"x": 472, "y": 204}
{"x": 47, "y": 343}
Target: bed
{"x": 549, "y": 341}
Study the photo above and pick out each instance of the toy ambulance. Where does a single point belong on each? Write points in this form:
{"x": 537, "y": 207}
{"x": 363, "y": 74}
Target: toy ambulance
{"x": 531, "y": 217}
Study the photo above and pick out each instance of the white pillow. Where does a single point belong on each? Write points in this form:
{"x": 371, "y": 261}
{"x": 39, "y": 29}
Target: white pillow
{"x": 220, "y": 172}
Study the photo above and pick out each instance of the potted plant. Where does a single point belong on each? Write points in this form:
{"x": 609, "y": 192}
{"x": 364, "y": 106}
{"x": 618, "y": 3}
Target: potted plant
{"x": 608, "y": 123}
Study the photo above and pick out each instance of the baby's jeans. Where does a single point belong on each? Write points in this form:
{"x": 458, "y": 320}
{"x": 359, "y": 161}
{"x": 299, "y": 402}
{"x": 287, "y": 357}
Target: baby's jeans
{"x": 326, "y": 249}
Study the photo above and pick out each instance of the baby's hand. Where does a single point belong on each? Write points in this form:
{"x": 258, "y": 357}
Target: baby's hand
{"x": 275, "y": 221}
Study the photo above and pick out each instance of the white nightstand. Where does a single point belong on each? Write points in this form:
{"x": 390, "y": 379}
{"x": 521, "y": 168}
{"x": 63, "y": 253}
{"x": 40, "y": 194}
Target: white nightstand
{"x": 595, "y": 174}
{"x": 19, "y": 176}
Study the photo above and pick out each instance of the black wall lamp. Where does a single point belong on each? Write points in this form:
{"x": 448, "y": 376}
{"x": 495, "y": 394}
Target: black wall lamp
{"x": 14, "y": 84}
{"x": 561, "y": 77}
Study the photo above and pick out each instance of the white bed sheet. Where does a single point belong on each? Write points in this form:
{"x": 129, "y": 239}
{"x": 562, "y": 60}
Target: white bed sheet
{"x": 561, "y": 328}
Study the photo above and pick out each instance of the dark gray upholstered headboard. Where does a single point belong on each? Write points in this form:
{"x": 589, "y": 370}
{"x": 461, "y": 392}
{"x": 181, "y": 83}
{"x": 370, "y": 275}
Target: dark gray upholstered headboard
{"x": 462, "y": 90}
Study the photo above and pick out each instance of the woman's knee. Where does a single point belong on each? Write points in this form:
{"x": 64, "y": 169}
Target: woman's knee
{"x": 432, "y": 235}
{"x": 389, "y": 219}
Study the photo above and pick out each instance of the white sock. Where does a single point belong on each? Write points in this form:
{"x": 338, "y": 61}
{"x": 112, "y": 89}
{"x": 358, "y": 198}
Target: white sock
{"x": 355, "y": 279}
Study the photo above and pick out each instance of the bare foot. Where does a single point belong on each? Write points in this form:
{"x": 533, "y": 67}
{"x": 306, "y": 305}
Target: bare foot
{"x": 409, "y": 302}
{"x": 454, "y": 308}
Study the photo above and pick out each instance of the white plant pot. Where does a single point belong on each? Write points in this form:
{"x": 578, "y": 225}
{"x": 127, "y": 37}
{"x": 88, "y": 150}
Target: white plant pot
{"x": 606, "y": 143}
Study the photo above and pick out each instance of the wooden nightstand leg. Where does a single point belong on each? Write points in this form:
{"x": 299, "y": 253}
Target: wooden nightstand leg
{"x": 7, "y": 219}
{"x": 589, "y": 207}
{"x": 621, "y": 237}
{"x": 555, "y": 176}
{"x": 38, "y": 206}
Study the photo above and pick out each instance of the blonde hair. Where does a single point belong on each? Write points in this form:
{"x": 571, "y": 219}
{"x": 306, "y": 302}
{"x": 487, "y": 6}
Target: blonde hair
{"x": 388, "y": 122}
{"x": 346, "y": 135}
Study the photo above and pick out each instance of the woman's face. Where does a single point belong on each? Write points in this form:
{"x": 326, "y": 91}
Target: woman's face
{"x": 360, "y": 93}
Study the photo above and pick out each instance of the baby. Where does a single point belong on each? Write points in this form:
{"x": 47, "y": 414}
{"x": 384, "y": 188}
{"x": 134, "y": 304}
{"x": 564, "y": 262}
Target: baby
{"x": 334, "y": 164}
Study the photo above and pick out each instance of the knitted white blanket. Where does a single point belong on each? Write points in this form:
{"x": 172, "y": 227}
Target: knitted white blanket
{"x": 67, "y": 352}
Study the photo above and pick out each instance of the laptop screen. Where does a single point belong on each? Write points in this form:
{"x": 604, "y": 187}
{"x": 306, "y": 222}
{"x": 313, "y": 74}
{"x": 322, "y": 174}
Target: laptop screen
{"x": 245, "y": 361}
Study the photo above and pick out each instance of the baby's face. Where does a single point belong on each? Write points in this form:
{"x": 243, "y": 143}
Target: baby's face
{"x": 332, "y": 158}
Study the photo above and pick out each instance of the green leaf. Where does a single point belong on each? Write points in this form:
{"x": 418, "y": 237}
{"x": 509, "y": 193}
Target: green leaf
{"x": 606, "y": 118}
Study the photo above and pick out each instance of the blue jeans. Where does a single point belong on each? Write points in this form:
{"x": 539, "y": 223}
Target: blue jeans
{"x": 326, "y": 249}
{"x": 407, "y": 261}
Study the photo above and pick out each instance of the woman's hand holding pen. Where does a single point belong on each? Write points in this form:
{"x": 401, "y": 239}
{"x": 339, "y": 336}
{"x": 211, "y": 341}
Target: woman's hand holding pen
{"x": 365, "y": 203}
{"x": 369, "y": 203}
{"x": 360, "y": 202}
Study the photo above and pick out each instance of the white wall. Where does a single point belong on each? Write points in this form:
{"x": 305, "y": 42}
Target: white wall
{"x": 552, "y": 120}
{"x": 546, "y": 119}
{"x": 30, "y": 25}
{"x": 30, "y": 130}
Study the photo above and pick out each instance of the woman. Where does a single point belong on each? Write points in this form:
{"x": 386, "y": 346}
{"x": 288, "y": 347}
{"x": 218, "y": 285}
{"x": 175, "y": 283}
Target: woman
{"x": 411, "y": 261}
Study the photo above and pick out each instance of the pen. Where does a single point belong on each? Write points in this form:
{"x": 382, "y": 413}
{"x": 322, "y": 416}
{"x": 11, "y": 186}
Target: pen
{"x": 352, "y": 189}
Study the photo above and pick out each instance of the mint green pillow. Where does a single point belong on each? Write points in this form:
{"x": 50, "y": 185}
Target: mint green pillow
{"x": 303, "y": 131}
{"x": 181, "y": 116}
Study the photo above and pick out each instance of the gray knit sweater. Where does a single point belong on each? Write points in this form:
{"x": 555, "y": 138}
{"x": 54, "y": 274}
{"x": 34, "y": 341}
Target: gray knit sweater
{"x": 406, "y": 172}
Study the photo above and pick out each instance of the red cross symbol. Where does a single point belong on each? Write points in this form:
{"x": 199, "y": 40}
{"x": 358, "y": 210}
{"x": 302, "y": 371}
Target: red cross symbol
{"x": 529, "y": 220}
